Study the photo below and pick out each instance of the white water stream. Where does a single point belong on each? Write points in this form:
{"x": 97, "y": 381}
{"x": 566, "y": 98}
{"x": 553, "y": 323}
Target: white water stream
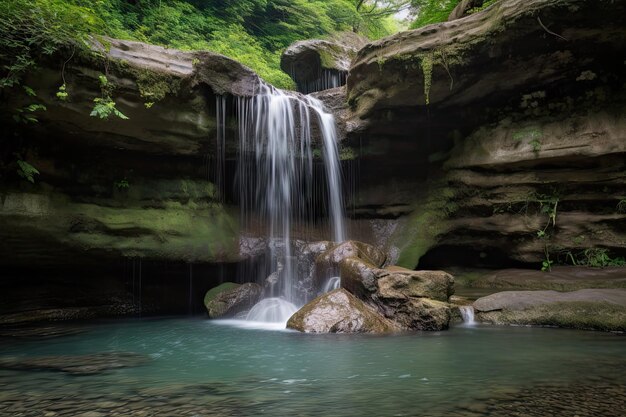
{"x": 276, "y": 131}
{"x": 467, "y": 313}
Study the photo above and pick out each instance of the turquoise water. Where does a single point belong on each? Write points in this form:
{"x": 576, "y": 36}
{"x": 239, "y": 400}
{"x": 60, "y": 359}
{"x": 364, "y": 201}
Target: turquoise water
{"x": 261, "y": 372}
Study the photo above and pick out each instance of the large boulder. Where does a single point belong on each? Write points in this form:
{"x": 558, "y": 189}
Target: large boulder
{"x": 339, "y": 312}
{"x": 417, "y": 313}
{"x": 397, "y": 282}
{"x": 415, "y": 300}
{"x": 327, "y": 263}
{"x": 320, "y": 64}
{"x": 229, "y": 298}
{"x": 597, "y": 309}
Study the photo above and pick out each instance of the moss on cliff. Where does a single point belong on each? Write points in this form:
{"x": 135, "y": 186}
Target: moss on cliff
{"x": 424, "y": 225}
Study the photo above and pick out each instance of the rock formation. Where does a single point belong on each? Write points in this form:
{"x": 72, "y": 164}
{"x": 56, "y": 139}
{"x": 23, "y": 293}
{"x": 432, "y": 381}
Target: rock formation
{"x": 318, "y": 64}
{"x": 472, "y": 133}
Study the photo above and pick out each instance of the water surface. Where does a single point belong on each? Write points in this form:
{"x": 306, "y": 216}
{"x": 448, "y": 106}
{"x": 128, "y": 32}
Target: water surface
{"x": 199, "y": 367}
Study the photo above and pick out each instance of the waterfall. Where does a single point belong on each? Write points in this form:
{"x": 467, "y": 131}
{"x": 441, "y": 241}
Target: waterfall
{"x": 467, "y": 313}
{"x": 332, "y": 284}
{"x": 276, "y": 177}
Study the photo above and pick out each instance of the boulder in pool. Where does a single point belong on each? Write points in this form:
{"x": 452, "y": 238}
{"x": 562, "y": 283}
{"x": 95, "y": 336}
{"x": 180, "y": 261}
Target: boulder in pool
{"x": 327, "y": 263}
{"x": 588, "y": 309}
{"x": 339, "y": 312}
{"x": 229, "y": 299}
{"x": 415, "y": 300}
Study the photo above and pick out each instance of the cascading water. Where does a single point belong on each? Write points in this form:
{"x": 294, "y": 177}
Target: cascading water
{"x": 332, "y": 284}
{"x": 275, "y": 168}
{"x": 467, "y": 313}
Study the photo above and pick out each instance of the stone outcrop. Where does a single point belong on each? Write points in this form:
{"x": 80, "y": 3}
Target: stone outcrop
{"x": 229, "y": 299}
{"x": 125, "y": 188}
{"x": 533, "y": 126}
{"x": 339, "y": 312}
{"x": 327, "y": 263}
{"x": 318, "y": 64}
{"x": 596, "y": 309}
{"x": 415, "y": 300}
{"x": 411, "y": 300}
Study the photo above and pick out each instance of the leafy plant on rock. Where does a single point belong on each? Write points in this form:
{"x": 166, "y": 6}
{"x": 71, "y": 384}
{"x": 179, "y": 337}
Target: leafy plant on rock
{"x": 26, "y": 171}
{"x": 105, "y": 106}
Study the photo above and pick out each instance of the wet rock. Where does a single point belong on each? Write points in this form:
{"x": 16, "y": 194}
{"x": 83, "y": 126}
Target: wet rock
{"x": 76, "y": 365}
{"x": 417, "y": 313}
{"x": 229, "y": 299}
{"x": 327, "y": 264}
{"x": 414, "y": 300}
{"x": 590, "y": 309}
{"x": 358, "y": 276}
{"x": 521, "y": 300}
{"x": 396, "y": 282}
{"x": 339, "y": 312}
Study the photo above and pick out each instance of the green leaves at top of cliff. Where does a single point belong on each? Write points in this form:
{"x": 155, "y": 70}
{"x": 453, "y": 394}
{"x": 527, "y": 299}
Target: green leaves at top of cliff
{"x": 32, "y": 28}
{"x": 253, "y": 32}
{"x": 432, "y": 11}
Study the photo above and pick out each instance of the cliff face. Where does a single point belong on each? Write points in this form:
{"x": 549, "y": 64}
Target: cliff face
{"x": 136, "y": 187}
{"x": 497, "y": 139}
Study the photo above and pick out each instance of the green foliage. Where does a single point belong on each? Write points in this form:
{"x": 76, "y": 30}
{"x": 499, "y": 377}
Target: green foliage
{"x": 432, "y": 11}
{"x": 486, "y": 4}
{"x": 546, "y": 265}
{"x": 536, "y": 145}
{"x": 62, "y": 93}
{"x": 27, "y": 115}
{"x": 253, "y": 32}
{"x": 104, "y": 108}
{"x": 30, "y": 29}
{"x": 599, "y": 258}
{"x": 26, "y": 171}
{"x": 427, "y": 70}
{"x": 122, "y": 184}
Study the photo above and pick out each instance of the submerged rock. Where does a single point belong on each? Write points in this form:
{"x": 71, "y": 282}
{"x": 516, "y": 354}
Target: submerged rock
{"x": 229, "y": 299}
{"x": 339, "y": 312}
{"x": 76, "y": 365}
{"x": 597, "y": 309}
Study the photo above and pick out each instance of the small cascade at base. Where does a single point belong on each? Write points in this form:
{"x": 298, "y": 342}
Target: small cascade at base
{"x": 467, "y": 313}
{"x": 333, "y": 283}
{"x": 272, "y": 310}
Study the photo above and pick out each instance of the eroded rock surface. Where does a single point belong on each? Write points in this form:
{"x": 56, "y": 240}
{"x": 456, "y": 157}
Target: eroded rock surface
{"x": 339, "y": 312}
{"x": 531, "y": 124}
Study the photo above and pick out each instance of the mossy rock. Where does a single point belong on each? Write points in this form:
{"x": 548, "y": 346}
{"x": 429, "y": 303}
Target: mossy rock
{"x": 214, "y": 292}
{"x": 229, "y": 299}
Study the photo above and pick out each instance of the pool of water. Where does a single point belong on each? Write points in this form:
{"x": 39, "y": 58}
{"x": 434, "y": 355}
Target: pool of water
{"x": 199, "y": 367}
